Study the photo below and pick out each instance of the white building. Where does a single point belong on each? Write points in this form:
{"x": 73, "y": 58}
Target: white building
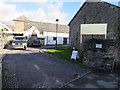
{"x": 3, "y": 26}
{"x": 5, "y": 34}
{"x": 48, "y": 37}
{"x": 45, "y": 31}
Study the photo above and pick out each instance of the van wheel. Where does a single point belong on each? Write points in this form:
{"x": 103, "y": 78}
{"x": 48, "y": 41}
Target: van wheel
{"x": 12, "y": 48}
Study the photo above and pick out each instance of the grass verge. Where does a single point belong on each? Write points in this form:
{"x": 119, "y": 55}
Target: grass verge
{"x": 64, "y": 53}
{"x": 57, "y": 45}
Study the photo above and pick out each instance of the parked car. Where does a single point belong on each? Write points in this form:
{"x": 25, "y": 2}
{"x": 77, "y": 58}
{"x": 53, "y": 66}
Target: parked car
{"x": 35, "y": 42}
{"x": 19, "y": 42}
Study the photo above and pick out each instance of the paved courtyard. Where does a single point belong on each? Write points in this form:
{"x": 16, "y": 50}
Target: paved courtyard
{"x": 32, "y": 68}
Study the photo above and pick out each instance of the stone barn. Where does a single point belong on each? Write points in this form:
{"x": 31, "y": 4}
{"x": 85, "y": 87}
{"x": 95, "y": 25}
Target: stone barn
{"x": 92, "y": 28}
{"x": 95, "y": 14}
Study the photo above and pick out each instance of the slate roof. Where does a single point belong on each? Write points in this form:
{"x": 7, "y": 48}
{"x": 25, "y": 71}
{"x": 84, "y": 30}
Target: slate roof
{"x": 43, "y": 26}
{"x": 48, "y": 27}
{"x": 21, "y": 18}
{"x": 11, "y": 27}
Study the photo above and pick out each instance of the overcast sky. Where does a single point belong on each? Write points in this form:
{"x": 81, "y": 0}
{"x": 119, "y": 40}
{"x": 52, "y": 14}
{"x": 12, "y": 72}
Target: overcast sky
{"x": 41, "y": 10}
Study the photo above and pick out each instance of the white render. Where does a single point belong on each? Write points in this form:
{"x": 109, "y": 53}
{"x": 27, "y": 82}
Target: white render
{"x": 47, "y": 36}
{"x": 2, "y": 26}
{"x": 29, "y": 32}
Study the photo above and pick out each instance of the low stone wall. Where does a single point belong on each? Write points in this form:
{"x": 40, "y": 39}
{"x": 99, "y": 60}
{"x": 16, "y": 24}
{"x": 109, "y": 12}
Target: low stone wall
{"x": 5, "y": 41}
{"x": 0, "y": 43}
{"x": 96, "y": 57}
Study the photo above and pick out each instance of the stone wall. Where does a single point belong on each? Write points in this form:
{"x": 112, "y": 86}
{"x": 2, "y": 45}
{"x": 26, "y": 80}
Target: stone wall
{"x": 97, "y": 57}
{"x": 4, "y": 40}
{"x": 94, "y": 12}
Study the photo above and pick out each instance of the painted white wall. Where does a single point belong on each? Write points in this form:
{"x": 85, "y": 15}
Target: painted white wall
{"x": 53, "y": 34}
{"x": 68, "y": 40}
{"x": 48, "y": 36}
{"x": 30, "y": 31}
{"x": 2, "y": 26}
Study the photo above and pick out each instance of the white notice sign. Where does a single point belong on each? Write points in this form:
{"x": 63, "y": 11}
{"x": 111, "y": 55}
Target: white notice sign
{"x": 100, "y": 29}
{"x": 98, "y": 45}
{"x": 74, "y": 55}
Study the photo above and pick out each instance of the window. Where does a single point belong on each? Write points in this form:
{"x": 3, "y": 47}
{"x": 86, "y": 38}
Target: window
{"x": 54, "y": 38}
{"x": 19, "y": 38}
{"x": 41, "y": 33}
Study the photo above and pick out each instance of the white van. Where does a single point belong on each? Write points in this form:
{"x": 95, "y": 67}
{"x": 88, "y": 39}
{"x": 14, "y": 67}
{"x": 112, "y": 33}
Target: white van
{"x": 19, "y": 42}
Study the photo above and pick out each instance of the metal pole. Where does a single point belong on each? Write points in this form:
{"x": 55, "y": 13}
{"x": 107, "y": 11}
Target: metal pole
{"x": 47, "y": 38}
{"x": 2, "y": 39}
{"x": 56, "y": 31}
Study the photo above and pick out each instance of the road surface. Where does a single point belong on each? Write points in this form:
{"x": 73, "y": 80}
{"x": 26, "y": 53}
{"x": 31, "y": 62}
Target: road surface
{"x": 32, "y": 68}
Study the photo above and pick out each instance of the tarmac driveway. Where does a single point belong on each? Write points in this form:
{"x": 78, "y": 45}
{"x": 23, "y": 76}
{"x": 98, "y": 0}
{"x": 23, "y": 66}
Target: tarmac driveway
{"x": 98, "y": 79}
{"x": 32, "y": 68}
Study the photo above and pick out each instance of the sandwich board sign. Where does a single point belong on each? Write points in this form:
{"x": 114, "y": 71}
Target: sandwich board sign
{"x": 74, "y": 55}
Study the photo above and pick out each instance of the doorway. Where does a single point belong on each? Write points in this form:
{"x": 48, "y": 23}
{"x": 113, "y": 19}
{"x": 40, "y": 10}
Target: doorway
{"x": 64, "y": 41}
